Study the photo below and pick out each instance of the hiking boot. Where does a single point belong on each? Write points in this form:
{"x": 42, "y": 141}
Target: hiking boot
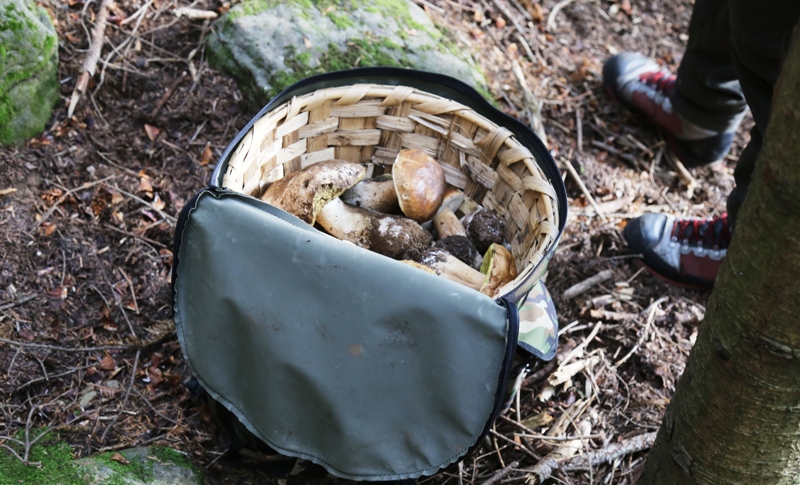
{"x": 684, "y": 252}
{"x": 645, "y": 87}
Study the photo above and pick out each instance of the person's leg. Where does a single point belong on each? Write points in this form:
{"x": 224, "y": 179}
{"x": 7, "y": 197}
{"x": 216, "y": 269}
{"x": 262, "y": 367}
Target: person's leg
{"x": 698, "y": 111}
{"x": 690, "y": 252}
{"x": 761, "y": 32}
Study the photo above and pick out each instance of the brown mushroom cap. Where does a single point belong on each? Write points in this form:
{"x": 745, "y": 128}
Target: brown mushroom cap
{"x": 377, "y": 193}
{"x": 419, "y": 182}
{"x": 305, "y": 192}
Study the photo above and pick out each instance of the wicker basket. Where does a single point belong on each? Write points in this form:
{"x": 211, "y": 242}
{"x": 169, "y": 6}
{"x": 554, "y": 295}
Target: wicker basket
{"x": 370, "y": 123}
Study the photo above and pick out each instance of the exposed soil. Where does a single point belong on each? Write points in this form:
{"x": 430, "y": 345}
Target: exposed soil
{"x": 86, "y": 238}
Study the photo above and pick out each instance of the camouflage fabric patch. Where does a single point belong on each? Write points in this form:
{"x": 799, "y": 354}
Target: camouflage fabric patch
{"x": 538, "y": 323}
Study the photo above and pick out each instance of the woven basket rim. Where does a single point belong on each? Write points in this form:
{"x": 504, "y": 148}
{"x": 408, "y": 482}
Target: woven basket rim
{"x": 292, "y": 115}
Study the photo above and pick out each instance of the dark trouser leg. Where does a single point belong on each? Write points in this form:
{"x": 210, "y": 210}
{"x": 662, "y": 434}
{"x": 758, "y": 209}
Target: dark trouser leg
{"x": 707, "y": 91}
{"x": 761, "y": 32}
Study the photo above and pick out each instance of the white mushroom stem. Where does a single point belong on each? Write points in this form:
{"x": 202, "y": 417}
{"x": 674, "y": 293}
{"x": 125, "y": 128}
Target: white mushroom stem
{"x": 468, "y": 206}
{"x": 447, "y": 224}
{"x": 382, "y": 233}
{"x": 450, "y": 267}
{"x": 453, "y": 198}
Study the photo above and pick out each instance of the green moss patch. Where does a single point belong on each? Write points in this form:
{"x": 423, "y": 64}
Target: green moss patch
{"x": 55, "y": 458}
{"x": 28, "y": 63}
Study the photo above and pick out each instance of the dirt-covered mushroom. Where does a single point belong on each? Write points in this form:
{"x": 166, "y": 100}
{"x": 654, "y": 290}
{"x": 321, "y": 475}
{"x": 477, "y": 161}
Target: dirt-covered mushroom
{"x": 462, "y": 248}
{"x": 386, "y": 234}
{"x": 484, "y": 228}
{"x": 499, "y": 268}
{"x": 377, "y": 193}
{"x": 305, "y": 192}
{"x": 419, "y": 182}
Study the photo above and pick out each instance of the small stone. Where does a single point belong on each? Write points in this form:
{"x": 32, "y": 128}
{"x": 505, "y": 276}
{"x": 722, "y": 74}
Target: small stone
{"x": 28, "y": 64}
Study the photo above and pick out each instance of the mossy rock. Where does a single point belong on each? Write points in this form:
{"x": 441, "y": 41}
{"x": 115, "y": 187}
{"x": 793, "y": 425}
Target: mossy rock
{"x": 28, "y": 64}
{"x": 52, "y": 463}
{"x": 270, "y": 44}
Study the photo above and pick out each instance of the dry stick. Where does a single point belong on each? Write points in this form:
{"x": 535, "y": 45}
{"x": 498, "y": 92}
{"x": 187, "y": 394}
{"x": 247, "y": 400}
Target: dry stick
{"x": 83, "y": 186}
{"x": 163, "y": 214}
{"x": 551, "y": 19}
{"x": 610, "y": 452}
{"x": 142, "y": 238}
{"x": 111, "y": 287}
{"x": 500, "y": 474}
{"x": 585, "y": 191}
{"x": 22, "y": 300}
{"x": 520, "y": 30}
{"x": 125, "y": 400}
{"x": 90, "y": 63}
{"x": 171, "y": 89}
{"x": 579, "y": 127}
{"x": 683, "y": 174}
{"x": 533, "y": 106}
{"x": 513, "y": 443}
{"x": 625, "y": 156}
{"x": 651, "y": 311}
{"x": 588, "y": 283}
{"x": 65, "y": 349}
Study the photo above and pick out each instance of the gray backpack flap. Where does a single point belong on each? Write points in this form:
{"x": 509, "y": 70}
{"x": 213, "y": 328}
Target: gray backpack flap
{"x": 331, "y": 353}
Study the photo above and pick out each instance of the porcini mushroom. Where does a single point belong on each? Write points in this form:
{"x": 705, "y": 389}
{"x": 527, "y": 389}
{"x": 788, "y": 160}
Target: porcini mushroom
{"x": 305, "y": 192}
{"x": 386, "y": 234}
{"x": 499, "y": 268}
{"x": 462, "y": 248}
{"x": 448, "y": 266}
{"x": 484, "y": 228}
{"x": 377, "y": 193}
{"x": 447, "y": 224}
{"x": 419, "y": 182}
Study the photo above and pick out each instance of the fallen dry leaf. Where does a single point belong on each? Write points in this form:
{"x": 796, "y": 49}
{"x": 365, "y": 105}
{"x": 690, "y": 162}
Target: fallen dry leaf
{"x": 158, "y": 204}
{"x": 107, "y": 363}
{"x": 205, "y": 157}
{"x": 7, "y": 191}
{"x": 152, "y": 131}
{"x": 145, "y": 185}
{"x": 118, "y": 458}
{"x": 499, "y": 22}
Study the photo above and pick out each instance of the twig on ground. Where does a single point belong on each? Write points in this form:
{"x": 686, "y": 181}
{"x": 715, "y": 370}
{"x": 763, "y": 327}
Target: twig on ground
{"x": 610, "y": 452}
{"x": 20, "y": 301}
{"x": 651, "y": 311}
{"x": 171, "y": 89}
{"x": 65, "y": 349}
{"x": 53, "y": 376}
{"x": 163, "y": 214}
{"x": 579, "y": 128}
{"x": 111, "y": 287}
{"x": 583, "y": 188}
{"x": 683, "y": 174}
{"x": 516, "y": 445}
{"x": 532, "y": 105}
{"x": 125, "y": 400}
{"x": 625, "y": 156}
{"x": 587, "y": 284}
{"x": 90, "y": 63}
{"x": 501, "y": 473}
{"x": 83, "y": 186}
{"x": 551, "y": 19}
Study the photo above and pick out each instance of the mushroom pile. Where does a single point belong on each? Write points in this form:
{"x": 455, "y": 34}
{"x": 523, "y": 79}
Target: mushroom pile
{"x": 386, "y": 214}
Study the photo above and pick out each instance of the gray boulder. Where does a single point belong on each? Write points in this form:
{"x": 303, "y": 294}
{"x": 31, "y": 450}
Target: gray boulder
{"x": 269, "y": 44}
{"x": 139, "y": 466}
{"x": 28, "y": 63}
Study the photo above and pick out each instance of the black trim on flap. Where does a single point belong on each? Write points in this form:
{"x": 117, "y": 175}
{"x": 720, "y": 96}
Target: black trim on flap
{"x": 508, "y": 364}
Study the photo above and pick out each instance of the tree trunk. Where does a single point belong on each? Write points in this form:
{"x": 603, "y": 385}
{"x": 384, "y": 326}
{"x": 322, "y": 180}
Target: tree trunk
{"x": 735, "y": 415}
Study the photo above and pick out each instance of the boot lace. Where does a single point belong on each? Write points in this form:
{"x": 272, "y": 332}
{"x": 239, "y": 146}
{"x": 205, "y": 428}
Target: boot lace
{"x": 662, "y": 81}
{"x": 712, "y": 233}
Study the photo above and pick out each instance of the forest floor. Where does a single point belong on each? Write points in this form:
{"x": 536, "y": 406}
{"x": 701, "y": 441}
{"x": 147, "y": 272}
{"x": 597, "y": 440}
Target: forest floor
{"x": 88, "y": 211}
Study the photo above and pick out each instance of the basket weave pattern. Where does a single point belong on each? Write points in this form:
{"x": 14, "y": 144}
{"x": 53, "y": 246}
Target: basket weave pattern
{"x": 370, "y": 124}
